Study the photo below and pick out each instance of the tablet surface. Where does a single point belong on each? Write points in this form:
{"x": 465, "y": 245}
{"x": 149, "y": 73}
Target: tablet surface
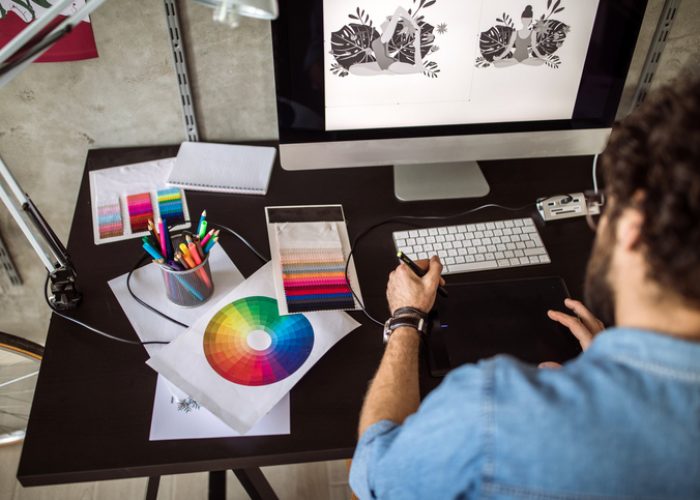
{"x": 481, "y": 320}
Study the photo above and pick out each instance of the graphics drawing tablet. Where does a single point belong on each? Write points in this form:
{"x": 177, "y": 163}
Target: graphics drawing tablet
{"x": 482, "y": 320}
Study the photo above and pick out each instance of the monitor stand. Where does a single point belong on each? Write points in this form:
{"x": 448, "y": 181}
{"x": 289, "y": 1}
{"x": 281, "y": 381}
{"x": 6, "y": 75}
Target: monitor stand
{"x": 439, "y": 181}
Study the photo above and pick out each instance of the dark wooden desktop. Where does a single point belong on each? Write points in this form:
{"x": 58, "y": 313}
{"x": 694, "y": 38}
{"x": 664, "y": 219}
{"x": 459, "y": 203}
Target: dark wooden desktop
{"x": 92, "y": 408}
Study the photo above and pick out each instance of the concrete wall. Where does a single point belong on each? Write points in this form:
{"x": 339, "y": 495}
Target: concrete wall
{"x": 53, "y": 113}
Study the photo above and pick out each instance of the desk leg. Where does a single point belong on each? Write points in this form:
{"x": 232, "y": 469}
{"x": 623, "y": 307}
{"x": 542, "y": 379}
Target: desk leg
{"x": 217, "y": 485}
{"x": 253, "y": 481}
{"x": 152, "y": 488}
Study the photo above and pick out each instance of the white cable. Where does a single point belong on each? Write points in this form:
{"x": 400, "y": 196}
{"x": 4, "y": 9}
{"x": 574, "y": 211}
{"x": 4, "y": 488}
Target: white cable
{"x": 595, "y": 174}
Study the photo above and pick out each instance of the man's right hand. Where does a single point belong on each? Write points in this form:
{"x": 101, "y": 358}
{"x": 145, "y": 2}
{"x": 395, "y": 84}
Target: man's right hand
{"x": 584, "y": 326}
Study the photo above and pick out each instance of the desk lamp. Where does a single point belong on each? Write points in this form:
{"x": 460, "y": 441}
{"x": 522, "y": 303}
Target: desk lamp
{"x": 15, "y": 57}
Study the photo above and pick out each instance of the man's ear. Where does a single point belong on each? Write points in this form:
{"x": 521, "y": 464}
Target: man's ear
{"x": 629, "y": 228}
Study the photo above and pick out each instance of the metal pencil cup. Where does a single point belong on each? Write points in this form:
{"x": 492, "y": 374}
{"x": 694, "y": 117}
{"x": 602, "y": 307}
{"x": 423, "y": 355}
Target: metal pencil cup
{"x": 189, "y": 288}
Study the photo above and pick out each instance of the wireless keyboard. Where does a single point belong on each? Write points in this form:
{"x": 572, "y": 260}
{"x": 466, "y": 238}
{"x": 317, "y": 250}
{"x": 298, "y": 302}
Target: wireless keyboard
{"x": 475, "y": 247}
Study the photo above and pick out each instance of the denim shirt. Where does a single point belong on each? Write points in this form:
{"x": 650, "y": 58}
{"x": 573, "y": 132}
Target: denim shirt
{"x": 620, "y": 421}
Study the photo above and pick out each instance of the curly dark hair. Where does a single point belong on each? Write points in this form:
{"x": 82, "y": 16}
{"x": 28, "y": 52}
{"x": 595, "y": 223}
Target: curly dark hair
{"x": 655, "y": 152}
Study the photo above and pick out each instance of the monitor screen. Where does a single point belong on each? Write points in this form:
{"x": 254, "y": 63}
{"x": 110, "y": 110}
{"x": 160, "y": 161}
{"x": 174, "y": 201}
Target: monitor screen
{"x": 349, "y": 70}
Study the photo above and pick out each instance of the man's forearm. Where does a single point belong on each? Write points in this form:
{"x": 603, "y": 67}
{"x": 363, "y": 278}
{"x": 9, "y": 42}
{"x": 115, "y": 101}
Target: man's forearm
{"x": 394, "y": 393}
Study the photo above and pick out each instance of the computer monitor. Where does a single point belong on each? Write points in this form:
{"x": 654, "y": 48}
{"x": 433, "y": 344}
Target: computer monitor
{"x": 432, "y": 86}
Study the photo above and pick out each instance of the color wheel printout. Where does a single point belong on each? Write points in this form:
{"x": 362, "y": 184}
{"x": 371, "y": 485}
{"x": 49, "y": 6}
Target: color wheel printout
{"x": 241, "y": 357}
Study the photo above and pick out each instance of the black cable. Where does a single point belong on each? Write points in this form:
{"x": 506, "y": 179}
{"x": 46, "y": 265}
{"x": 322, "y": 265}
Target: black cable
{"x": 404, "y": 219}
{"x": 143, "y": 302}
{"x": 243, "y": 240}
{"x": 92, "y": 329}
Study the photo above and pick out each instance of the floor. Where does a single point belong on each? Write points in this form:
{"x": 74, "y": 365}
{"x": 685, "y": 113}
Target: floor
{"x": 319, "y": 480}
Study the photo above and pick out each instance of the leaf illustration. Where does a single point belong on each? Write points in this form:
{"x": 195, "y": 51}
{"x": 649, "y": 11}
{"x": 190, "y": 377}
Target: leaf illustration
{"x": 401, "y": 45}
{"x": 553, "y": 61}
{"x": 42, "y": 3}
{"x": 352, "y": 44}
{"x": 558, "y": 10}
{"x": 495, "y": 41}
{"x": 550, "y": 36}
{"x": 549, "y": 4}
{"x": 429, "y": 3}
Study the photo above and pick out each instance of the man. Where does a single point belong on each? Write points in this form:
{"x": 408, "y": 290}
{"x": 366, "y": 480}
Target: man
{"x": 623, "y": 419}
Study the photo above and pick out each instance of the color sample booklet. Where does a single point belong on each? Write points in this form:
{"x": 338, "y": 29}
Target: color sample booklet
{"x": 124, "y": 198}
{"x": 310, "y": 248}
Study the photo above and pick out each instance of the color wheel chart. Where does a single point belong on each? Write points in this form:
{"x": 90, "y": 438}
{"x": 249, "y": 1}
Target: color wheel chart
{"x": 247, "y": 342}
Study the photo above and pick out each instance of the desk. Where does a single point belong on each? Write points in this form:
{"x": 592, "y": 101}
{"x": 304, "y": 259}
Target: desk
{"x": 92, "y": 408}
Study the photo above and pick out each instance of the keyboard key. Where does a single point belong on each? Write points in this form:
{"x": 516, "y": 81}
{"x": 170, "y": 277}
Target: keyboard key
{"x": 485, "y": 241}
{"x": 469, "y": 258}
{"x": 473, "y": 266}
{"x": 452, "y": 229}
{"x": 518, "y": 222}
{"x": 452, "y": 252}
{"x": 495, "y": 240}
{"x": 501, "y": 247}
{"x": 423, "y": 255}
{"x": 490, "y": 226}
{"x": 509, "y": 254}
{"x": 418, "y": 248}
{"x": 479, "y": 257}
{"x": 480, "y": 226}
{"x": 480, "y": 249}
{"x": 432, "y": 231}
{"x": 450, "y": 261}
{"x": 462, "y": 229}
{"x": 524, "y": 260}
{"x": 515, "y": 262}
{"x": 500, "y": 224}
{"x": 400, "y": 243}
{"x": 422, "y": 232}
{"x": 437, "y": 246}
{"x": 428, "y": 247}
{"x": 401, "y": 235}
{"x": 519, "y": 253}
{"x": 488, "y": 233}
{"x": 503, "y": 263}
{"x": 420, "y": 240}
{"x": 471, "y": 228}
{"x": 430, "y": 239}
{"x": 413, "y": 233}
{"x": 459, "y": 236}
{"x": 517, "y": 230}
{"x": 442, "y": 230}
{"x": 498, "y": 232}
{"x": 460, "y": 259}
{"x": 528, "y": 222}
{"x": 508, "y": 223}
{"x": 478, "y": 234}
{"x": 462, "y": 251}
{"x": 450, "y": 237}
{"x": 491, "y": 248}
{"x": 530, "y": 244}
{"x": 499, "y": 255}
{"x": 544, "y": 259}
{"x": 535, "y": 251}
{"x": 447, "y": 245}
{"x": 410, "y": 241}
{"x": 440, "y": 238}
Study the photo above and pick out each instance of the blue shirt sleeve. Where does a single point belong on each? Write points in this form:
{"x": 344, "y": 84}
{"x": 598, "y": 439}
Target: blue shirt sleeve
{"x": 389, "y": 458}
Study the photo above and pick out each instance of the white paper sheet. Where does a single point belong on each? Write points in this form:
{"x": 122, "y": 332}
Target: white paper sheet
{"x": 167, "y": 421}
{"x": 184, "y": 362}
{"x": 114, "y": 184}
{"x": 175, "y": 416}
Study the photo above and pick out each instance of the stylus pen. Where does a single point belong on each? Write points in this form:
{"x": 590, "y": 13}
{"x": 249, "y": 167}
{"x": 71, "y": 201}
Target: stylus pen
{"x": 420, "y": 272}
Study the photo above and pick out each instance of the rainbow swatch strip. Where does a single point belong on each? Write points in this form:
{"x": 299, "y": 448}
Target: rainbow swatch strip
{"x": 314, "y": 279}
{"x": 109, "y": 219}
{"x": 170, "y": 205}
{"x": 140, "y": 211}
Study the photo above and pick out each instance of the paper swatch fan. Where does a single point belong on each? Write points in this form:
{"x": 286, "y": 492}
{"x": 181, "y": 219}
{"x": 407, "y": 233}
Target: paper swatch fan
{"x": 247, "y": 342}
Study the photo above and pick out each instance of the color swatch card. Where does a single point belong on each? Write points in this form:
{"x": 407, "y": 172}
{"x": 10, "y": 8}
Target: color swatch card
{"x": 124, "y": 198}
{"x": 240, "y": 358}
{"x": 310, "y": 248}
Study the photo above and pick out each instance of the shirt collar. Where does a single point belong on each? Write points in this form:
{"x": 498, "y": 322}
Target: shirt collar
{"x": 648, "y": 349}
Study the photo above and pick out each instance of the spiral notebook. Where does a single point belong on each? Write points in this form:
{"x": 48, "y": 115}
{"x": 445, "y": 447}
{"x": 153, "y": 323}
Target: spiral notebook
{"x": 225, "y": 168}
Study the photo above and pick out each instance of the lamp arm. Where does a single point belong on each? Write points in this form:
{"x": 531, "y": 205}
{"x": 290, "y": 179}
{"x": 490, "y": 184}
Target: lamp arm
{"x": 48, "y": 247}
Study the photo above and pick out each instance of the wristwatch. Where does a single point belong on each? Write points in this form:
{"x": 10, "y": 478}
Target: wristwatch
{"x": 406, "y": 316}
